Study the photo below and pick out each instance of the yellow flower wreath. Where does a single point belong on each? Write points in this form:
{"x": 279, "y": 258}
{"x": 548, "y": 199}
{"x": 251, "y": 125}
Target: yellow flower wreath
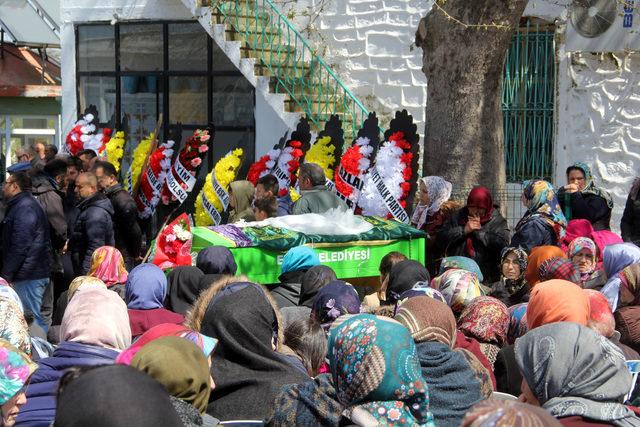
{"x": 115, "y": 150}
{"x": 225, "y": 170}
{"x": 139, "y": 156}
{"x": 322, "y": 153}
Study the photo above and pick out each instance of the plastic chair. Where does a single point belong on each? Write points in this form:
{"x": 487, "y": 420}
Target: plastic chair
{"x": 503, "y": 396}
{"x": 242, "y": 423}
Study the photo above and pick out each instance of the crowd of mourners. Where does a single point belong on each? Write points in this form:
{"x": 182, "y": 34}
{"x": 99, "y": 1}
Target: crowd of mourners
{"x": 535, "y": 326}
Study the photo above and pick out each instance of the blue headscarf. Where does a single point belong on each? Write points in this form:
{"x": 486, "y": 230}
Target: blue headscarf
{"x": 146, "y": 287}
{"x": 615, "y": 258}
{"x": 216, "y": 260}
{"x": 299, "y": 258}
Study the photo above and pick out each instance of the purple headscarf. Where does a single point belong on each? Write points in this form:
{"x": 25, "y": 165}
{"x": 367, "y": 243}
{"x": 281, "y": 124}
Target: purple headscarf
{"x": 146, "y": 287}
{"x": 334, "y": 300}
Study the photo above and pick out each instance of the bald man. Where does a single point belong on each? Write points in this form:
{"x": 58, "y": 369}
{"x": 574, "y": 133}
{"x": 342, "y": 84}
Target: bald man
{"x": 94, "y": 225}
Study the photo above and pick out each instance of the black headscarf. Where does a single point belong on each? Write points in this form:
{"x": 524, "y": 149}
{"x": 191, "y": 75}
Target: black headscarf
{"x": 312, "y": 281}
{"x": 247, "y": 371}
{"x": 216, "y": 260}
{"x": 184, "y": 288}
{"x": 113, "y": 396}
{"x": 403, "y": 276}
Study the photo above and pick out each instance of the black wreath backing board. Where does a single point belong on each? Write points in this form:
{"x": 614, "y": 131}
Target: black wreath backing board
{"x": 403, "y": 122}
{"x": 333, "y": 129}
{"x": 371, "y": 131}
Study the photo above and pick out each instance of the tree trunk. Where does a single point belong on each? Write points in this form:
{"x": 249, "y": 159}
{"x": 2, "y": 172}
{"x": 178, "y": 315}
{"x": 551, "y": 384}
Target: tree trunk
{"x": 464, "y": 135}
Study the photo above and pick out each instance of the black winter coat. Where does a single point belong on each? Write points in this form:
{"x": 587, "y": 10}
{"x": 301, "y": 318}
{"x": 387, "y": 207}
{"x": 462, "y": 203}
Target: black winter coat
{"x": 45, "y": 190}
{"x": 488, "y": 242}
{"x": 630, "y": 223}
{"x": 25, "y": 240}
{"x": 93, "y": 228}
{"x": 534, "y": 232}
{"x": 587, "y": 206}
{"x": 128, "y": 235}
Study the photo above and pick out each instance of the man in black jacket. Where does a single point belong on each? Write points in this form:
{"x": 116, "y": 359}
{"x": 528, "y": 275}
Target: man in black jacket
{"x": 25, "y": 244}
{"x": 94, "y": 225}
{"x": 128, "y": 235}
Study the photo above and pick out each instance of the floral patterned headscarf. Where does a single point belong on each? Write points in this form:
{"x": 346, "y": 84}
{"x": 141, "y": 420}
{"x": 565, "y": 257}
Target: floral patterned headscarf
{"x": 579, "y": 244}
{"x": 485, "y": 319}
{"x": 517, "y": 322}
{"x": 15, "y": 370}
{"x": 107, "y": 265}
{"x": 439, "y": 191}
{"x": 541, "y": 201}
{"x": 13, "y": 327}
{"x": 459, "y": 288}
{"x": 376, "y": 372}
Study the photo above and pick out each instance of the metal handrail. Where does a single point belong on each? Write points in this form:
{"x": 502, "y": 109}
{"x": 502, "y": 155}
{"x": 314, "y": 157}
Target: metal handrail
{"x": 291, "y": 61}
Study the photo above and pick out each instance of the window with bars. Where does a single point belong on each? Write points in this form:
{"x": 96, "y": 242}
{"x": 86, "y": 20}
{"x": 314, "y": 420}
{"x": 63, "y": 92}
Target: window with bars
{"x": 528, "y": 97}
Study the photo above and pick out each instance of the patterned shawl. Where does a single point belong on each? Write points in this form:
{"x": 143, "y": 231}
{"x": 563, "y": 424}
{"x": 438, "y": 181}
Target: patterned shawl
{"x": 573, "y": 370}
{"x": 376, "y": 372}
{"x": 541, "y": 201}
{"x": 589, "y": 183}
{"x": 517, "y": 322}
{"x": 15, "y": 370}
{"x": 13, "y": 327}
{"x": 485, "y": 319}
{"x": 630, "y": 286}
{"x": 439, "y": 191}
{"x": 514, "y": 286}
{"x": 107, "y": 265}
{"x": 459, "y": 288}
{"x": 559, "y": 268}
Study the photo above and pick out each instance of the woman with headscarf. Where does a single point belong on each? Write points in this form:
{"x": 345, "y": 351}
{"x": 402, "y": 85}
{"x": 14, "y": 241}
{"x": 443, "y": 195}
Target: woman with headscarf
{"x": 507, "y": 413}
{"x": 477, "y": 231}
{"x": 512, "y": 288}
{"x": 204, "y": 343}
{"x": 240, "y": 198}
{"x": 13, "y": 326}
{"x": 375, "y": 380}
{"x": 537, "y": 257}
{"x": 145, "y": 293}
{"x": 559, "y": 268}
{"x": 582, "y": 199}
{"x": 247, "y": 367}
{"x": 459, "y": 288}
{"x": 334, "y": 300}
{"x": 183, "y": 370}
{"x": 453, "y": 385}
{"x": 550, "y": 302}
{"x": 576, "y": 228}
{"x": 630, "y": 222}
{"x": 487, "y": 320}
{"x": 602, "y": 321}
{"x": 431, "y": 212}
{"x": 107, "y": 264}
{"x": 95, "y": 328}
{"x": 543, "y": 223}
{"x": 183, "y": 288}
{"x": 615, "y": 259}
{"x": 403, "y": 276}
{"x": 517, "y": 322}
{"x": 295, "y": 264}
{"x": 463, "y": 263}
{"x": 575, "y": 374}
{"x": 313, "y": 280}
{"x": 583, "y": 253}
{"x": 216, "y": 260}
{"x": 115, "y": 396}
{"x": 15, "y": 371}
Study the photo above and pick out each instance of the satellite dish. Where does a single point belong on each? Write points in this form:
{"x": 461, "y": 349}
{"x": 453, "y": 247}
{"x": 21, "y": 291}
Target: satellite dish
{"x": 591, "y": 18}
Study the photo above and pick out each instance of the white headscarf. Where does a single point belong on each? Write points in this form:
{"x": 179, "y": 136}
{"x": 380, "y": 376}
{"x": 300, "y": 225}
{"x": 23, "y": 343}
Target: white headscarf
{"x": 439, "y": 191}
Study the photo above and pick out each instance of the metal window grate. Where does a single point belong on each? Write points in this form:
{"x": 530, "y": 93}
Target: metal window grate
{"x": 528, "y": 93}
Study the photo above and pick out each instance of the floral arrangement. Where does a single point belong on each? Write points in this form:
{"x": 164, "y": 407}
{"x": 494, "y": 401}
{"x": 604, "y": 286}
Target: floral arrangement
{"x": 182, "y": 177}
{"x": 152, "y": 180}
{"x": 394, "y": 167}
{"x": 263, "y": 166}
{"x": 287, "y": 166}
{"x": 214, "y": 196}
{"x": 114, "y": 149}
{"x": 140, "y": 154}
{"x": 322, "y": 153}
{"x": 83, "y": 135}
{"x": 354, "y": 164}
{"x": 173, "y": 245}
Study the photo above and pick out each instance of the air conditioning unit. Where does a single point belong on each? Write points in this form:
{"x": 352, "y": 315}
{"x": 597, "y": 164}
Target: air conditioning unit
{"x": 603, "y": 26}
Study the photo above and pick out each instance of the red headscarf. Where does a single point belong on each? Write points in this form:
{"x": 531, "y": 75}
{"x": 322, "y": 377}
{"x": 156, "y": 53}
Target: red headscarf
{"x": 479, "y": 197}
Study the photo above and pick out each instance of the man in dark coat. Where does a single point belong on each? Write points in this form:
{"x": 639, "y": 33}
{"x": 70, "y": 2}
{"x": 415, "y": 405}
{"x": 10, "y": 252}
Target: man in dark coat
{"x": 128, "y": 235}
{"x": 94, "y": 225}
{"x": 25, "y": 244}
